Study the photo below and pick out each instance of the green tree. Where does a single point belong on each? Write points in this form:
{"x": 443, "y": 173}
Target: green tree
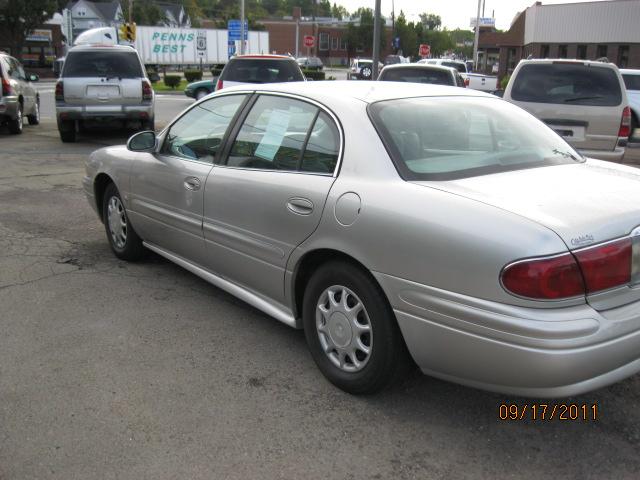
{"x": 145, "y": 12}
{"x": 339, "y": 12}
{"x": 408, "y": 36}
{"x": 361, "y": 36}
{"x": 430, "y": 21}
{"x": 18, "y": 18}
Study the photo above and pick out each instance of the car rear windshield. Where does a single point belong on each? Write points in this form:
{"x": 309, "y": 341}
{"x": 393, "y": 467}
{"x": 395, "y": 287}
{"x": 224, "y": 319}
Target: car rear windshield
{"x": 632, "y": 82}
{"x": 417, "y": 75}
{"x": 116, "y": 64}
{"x": 444, "y": 138}
{"x": 567, "y": 83}
{"x": 258, "y": 70}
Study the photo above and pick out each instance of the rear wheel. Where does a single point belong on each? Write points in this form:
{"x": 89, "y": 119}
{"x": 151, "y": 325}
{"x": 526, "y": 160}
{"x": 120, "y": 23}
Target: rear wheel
{"x": 15, "y": 124}
{"x": 67, "y": 129}
{"x": 34, "y": 118}
{"x": 149, "y": 125}
{"x": 351, "y": 330}
{"x": 123, "y": 239}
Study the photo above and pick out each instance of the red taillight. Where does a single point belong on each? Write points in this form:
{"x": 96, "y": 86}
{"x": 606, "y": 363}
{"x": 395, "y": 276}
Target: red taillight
{"x": 466, "y": 82}
{"x": 550, "y": 278}
{"x": 7, "y": 89}
{"x": 606, "y": 266}
{"x": 219, "y": 85}
{"x": 59, "y": 91}
{"x": 147, "y": 93}
{"x": 625, "y": 123}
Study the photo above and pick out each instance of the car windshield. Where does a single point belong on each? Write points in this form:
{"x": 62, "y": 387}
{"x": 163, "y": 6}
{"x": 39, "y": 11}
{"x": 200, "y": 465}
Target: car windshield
{"x": 567, "y": 83}
{"x": 256, "y": 70}
{"x": 632, "y": 82}
{"x": 444, "y": 138}
{"x": 461, "y": 67}
{"x": 96, "y": 63}
{"x": 417, "y": 75}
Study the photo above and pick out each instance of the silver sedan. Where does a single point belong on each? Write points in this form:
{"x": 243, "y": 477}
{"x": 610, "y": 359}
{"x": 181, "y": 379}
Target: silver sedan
{"x": 426, "y": 224}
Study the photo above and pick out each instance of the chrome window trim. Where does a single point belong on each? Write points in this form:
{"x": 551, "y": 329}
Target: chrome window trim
{"x": 318, "y": 105}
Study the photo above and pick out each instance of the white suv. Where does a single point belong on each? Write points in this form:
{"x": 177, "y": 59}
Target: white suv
{"x": 100, "y": 84}
{"x": 583, "y": 101}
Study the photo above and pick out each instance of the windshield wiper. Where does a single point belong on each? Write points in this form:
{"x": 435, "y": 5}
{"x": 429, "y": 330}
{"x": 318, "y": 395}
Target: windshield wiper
{"x": 577, "y": 99}
{"x": 563, "y": 154}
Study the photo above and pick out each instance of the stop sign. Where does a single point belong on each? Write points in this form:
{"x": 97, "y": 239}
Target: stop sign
{"x": 425, "y": 50}
{"x": 309, "y": 41}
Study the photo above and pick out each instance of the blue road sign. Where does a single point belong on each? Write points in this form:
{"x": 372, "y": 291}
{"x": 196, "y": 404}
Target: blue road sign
{"x": 234, "y": 28}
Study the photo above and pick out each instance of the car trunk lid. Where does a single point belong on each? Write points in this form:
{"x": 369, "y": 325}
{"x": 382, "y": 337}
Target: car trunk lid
{"x": 585, "y": 204}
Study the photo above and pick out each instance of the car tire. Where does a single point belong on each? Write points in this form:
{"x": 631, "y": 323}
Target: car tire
{"x": 67, "y": 131}
{"x": 34, "y": 118}
{"x": 201, "y": 93}
{"x": 338, "y": 338}
{"x": 150, "y": 125}
{"x": 123, "y": 239}
{"x": 15, "y": 124}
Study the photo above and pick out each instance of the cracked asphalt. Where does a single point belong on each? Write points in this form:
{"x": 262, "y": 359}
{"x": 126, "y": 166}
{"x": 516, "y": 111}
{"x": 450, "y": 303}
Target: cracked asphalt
{"x": 111, "y": 370}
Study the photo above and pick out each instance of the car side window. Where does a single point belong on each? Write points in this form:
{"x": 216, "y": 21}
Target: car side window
{"x": 198, "y": 134}
{"x": 323, "y": 144}
{"x": 273, "y": 135}
{"x": 17, "y": 72}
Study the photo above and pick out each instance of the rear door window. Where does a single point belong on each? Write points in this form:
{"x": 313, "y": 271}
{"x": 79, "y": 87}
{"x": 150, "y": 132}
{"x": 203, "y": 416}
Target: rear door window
{"x": 256, "y": 70}
{"x": 460, "y": 67}
{"x": 568, "y": 84}
{"x": 100, "y": 63}
{"x": 417, "y": 75}
{"x": 632, "y": 82}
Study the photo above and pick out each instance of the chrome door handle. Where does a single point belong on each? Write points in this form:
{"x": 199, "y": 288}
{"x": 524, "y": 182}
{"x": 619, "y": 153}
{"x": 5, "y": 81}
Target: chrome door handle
{"x": 300, "y": 206}
{"x": 192, "y": 183}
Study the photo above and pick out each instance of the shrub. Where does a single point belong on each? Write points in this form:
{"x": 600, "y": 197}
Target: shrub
{"x": 314, "y": 75}
{"x": 193, "y": 75}
{"x": 216, "y": 71}
{"x": 504, "y": 82}
{"x": 172, "y": 80}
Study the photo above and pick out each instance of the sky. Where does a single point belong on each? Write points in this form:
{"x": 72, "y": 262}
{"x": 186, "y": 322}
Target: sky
{"x": 454, "y": 13}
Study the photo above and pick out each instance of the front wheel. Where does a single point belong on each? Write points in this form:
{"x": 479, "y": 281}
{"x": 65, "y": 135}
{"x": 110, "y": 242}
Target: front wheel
{"x": 351, "y": 330}
{"x": 123, "y": 239}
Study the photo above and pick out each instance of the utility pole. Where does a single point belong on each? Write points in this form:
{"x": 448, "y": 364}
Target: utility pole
{"x": 376, "y": 41}
{"x": 476, "y": 40}
{"x": 242, "y": 32}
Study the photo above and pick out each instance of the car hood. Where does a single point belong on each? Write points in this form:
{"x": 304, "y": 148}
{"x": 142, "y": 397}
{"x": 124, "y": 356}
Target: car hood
{"x": 200, "y": 83}
{"x": 583, "y": 203}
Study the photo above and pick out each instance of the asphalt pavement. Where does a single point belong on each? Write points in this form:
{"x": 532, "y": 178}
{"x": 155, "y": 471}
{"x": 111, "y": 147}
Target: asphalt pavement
{"x": 114, "y": 370}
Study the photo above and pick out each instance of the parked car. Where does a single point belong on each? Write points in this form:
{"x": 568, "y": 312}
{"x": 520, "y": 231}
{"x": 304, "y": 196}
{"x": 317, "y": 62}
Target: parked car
{"x": 256, "y": 69}
{"x": 361, "y": 69}
{"x": 201, "y": 88}
{"x": 395, "y": 59}
{"x": 583, "y": 101}
{"x": 411, "y": 72}
{"x": 430, "y": 219}
{"x": 18, "y": 97}
{"x": 310, "y": 63}
{"x": 632, "y": 83}
{"x": 102, "y": 84}
{"x": 477, "y": 81}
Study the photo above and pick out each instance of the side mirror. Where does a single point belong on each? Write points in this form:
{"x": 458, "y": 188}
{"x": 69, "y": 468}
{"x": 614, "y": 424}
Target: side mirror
{"x": 142, "y": 142}
{"x": 33, "y": 77}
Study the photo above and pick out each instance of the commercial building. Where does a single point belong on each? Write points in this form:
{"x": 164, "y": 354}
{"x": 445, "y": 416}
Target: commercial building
{"x": 585, "y": 30}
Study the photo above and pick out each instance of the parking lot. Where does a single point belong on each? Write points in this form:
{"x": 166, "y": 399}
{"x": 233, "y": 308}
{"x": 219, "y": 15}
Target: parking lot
{"x": 116, "y": 370}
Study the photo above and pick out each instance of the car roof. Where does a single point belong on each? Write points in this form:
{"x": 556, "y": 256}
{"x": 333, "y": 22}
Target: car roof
{"x": 629, "y": 71}
{"x": 98, "y": 46}
{"x": 422, "y": 66}
{"x": 589, "y": 63}
{"x": 368, "y": 92}
{"x": 263, "y": 57}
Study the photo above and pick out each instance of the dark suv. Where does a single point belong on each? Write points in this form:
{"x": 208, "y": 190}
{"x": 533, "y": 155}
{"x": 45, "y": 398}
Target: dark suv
{"x": 259, "y": 69}
{"x": 18, "y": 98}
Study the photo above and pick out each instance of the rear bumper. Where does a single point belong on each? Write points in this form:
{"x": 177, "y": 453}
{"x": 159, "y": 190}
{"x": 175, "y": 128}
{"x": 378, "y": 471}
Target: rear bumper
{"x": 552, "y": 352}
{"x": 104, "y": 112}
{"x": 9, "y": 106}
{"x": 612, "y": 156}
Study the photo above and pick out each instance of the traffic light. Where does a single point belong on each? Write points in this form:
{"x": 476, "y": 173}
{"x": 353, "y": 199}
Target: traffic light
{"x": 128, "y": 32}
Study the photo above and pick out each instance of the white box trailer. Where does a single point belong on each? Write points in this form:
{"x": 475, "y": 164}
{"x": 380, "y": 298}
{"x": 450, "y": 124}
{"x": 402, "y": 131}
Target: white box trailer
{"x": 190, "y": 46}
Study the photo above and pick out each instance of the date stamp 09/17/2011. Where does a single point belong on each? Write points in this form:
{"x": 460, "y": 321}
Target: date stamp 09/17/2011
{"x": 549, "y": 411}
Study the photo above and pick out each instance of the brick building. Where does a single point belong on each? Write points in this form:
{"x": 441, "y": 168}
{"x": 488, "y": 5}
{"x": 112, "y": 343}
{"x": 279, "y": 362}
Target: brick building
{"x": 331, "y": 40}
{"x": 586, "y": 30}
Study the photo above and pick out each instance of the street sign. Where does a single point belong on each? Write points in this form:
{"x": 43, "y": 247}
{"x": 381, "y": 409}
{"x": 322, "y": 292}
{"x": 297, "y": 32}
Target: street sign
{"x": 309, "y": 41}
{"x": 425, "y": 50}
{"x": 201, "y": 43}
{"x": 234, "y": 28}
{"x": 231, "y": 48}
{"x": 396, "y": 43}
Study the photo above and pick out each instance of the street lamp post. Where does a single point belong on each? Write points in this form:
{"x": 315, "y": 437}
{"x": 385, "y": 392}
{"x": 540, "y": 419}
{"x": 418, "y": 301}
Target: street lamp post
{"x": 376, "y": 41}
